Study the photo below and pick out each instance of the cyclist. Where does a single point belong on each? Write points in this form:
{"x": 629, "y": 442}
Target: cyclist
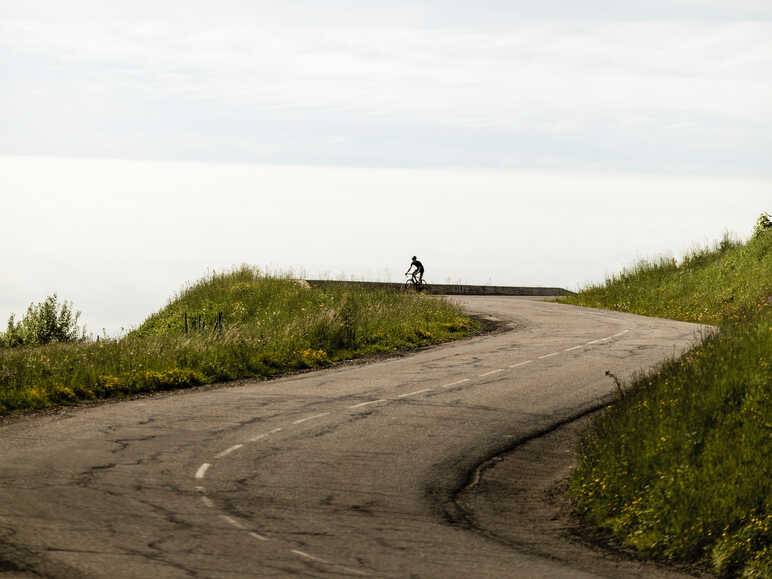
{"x": 419, "y": 269}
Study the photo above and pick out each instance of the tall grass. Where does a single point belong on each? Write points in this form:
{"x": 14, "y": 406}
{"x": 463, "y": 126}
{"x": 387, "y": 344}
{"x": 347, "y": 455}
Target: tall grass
{"x": 681, "y": 467}
{"x": 271, "y": 325}
{"x": 729, "y": 281}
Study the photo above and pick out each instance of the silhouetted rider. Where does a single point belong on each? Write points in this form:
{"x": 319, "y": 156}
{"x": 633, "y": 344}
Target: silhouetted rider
{"x": 419, "y": 269}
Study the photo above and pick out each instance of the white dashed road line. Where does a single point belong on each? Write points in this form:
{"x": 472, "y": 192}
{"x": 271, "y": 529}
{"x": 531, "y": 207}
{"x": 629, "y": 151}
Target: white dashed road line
{"x": 201, "y": 472}
{"x": 264, "y": 435}
{"x": 310, "y": 557}
{"x": 456, "y": 383}
{"x": 307, "y": 418}
{"x": 361, "y": 404}
{"x": 233, "y": 522}
{"x": 326, "y": 562}
{"x": 226, "y": 452}
{"x": 413, "y": 393}
{"x": 521, "y": 364}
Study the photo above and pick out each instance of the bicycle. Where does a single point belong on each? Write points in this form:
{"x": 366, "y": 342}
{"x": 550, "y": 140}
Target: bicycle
{"x": 414, "y": 284}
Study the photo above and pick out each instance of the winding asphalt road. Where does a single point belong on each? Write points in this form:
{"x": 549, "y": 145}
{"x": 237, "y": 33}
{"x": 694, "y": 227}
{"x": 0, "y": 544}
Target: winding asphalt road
{"x": 349, "y": 471}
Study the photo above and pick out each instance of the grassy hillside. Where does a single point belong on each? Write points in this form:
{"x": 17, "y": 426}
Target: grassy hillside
{"x": 681, "y": 467}
{"x": 728, "y": 282}
{"x": 270, "y": 325}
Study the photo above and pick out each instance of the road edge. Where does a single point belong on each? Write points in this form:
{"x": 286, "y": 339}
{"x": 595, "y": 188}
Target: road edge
{"x": 564, "y": 537}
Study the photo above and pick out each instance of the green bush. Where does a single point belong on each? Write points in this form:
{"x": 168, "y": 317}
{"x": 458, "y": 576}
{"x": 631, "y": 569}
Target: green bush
{"x": 763, "y": 225}
{"x": 45, "y": 322}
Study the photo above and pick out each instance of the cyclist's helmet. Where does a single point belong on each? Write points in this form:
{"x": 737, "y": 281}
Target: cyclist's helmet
{"x": 414, "y": 258}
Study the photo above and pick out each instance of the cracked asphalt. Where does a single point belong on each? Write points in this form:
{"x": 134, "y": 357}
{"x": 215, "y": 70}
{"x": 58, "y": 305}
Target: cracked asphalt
{"x": 350, "y": 471}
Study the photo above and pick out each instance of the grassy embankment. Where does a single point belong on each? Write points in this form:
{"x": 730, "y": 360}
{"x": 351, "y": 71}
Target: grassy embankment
{"x": 271, "y": 326}
{"x": 681, "y": 468}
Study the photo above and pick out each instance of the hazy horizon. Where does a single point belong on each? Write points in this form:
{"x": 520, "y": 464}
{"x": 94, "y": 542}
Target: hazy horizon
{"x": 501, "y": 141}
{"x": 137, "y": 231}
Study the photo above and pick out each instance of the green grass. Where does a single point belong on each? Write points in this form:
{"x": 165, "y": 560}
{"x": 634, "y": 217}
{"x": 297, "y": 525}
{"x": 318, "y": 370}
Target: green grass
{"x": 681, "y": 467}
{"x": 271, "y": 325}
{"x": 728, "y": 282}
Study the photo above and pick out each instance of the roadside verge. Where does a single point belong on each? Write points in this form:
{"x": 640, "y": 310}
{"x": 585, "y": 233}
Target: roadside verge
{"x": 518, "y": 498}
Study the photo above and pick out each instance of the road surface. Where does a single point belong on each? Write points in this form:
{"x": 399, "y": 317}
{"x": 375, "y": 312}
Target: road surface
{"x": 349, "y": 471}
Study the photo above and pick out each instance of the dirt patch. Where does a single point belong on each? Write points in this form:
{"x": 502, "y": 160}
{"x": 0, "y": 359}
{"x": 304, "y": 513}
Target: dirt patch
{"x": 519, "y": 499}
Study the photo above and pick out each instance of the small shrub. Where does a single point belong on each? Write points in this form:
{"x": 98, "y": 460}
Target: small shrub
{"x": 107, "y": 386}
{"x": 62, "y": 395}
{"x": 44, "y": 322}
{"x": 763, "y": 225}
{"x": 312, "y": 358}
{"x": 153, "y": 381}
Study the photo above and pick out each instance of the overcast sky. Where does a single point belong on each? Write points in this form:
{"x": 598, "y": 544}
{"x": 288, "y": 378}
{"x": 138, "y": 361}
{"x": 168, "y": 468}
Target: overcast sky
{"x": 509, "y": 142}
{"x": 677, "y": 86}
